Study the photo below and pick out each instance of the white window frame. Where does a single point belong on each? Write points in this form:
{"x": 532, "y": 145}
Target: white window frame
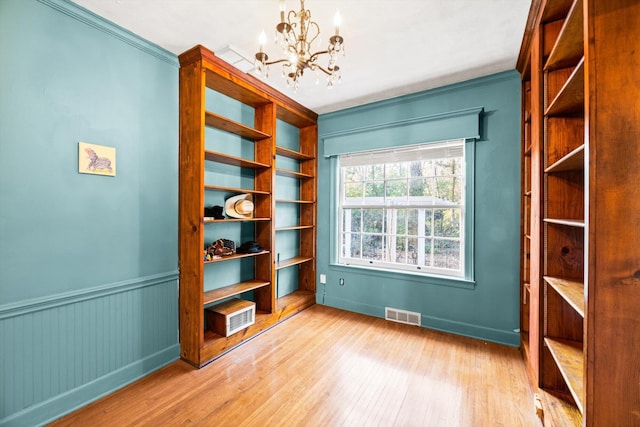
{"x": 428, "y": 151}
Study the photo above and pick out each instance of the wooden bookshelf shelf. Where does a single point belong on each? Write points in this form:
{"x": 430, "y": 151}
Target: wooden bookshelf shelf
{"x": 294, "y": 227}
{"x": 570, "y": 45}
{"x": 570, "y": 99}
{"x": 232, "y": 290}
{"x": 571, "y": 290}
{"x": 293, "y": 174}
{"x": 571, "y": 162}
{"x": 292, "y": 154}
{"x": 567, "y": 222}
{"x": 299, "y": 202}
{"x": 222, "y": 123}
{"x": 213, "y": 156}
{"x": 209, "y": 220}
{"x": 234, "y": 190}
{"x": 292, "y": 261}
{"x": 569, "y": 357}
{"x": 235, "y": 256}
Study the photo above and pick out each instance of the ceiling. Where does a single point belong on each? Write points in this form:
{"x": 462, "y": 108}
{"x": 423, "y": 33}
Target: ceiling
{"x": 393, "y": 47}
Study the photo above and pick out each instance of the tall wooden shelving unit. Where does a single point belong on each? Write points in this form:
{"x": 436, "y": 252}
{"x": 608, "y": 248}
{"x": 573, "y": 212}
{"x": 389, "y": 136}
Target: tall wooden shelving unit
{"x": 581, "y": 210}
{"x": 201, "y": 72}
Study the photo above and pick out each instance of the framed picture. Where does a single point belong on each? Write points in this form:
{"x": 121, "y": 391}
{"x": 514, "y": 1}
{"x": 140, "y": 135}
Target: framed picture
{"x": 96, "y": 159}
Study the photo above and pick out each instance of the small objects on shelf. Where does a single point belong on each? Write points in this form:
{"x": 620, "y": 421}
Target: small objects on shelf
{"x": 214, "y": 212}
{"x": 240, "y": 206}
{"x": 250, "y": 247}
{"x": 219, "y": 248}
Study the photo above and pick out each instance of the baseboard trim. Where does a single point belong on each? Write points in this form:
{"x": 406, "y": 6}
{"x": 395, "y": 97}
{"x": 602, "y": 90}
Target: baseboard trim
{"x": 50, "y": 410}
{"x": 498, "y": 336}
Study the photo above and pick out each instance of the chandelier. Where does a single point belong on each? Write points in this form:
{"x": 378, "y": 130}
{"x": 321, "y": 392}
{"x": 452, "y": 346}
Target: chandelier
{"x": 295, "y": 34}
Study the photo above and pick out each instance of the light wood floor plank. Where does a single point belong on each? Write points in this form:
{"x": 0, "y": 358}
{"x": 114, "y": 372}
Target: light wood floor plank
{"x": 328, "y": 367}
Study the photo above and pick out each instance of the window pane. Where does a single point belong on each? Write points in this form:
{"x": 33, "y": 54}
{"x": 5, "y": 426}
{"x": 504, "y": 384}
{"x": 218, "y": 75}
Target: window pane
{"x": 353, "y": 173}
{"x": 372, "y": 247}
{"x": 353, "y": 189}
{"x": 401, "y": 218}
{"x": 374, "y": 172}
{"x": 448, "y": 188}
{"x": 428, "y": 248}
{"x": 412, "y": 222}
{"x": 396, "y": 170}
{"x": 352, "y": 220}
{"x": 397, "y": 188}
{"x": 446, "y": 254}
{"x": 351, "y": 245}
{"x": 374, "y": 189}
{"x": 400, "y": 255}
{"x": 446, "y": 222}
{"x": 419, "y": 187}
{"x": 372, "y": 220}
{"x": 428, "y": 228}
{"x": 412, "y": 251}
{"x": 415, "y": 169}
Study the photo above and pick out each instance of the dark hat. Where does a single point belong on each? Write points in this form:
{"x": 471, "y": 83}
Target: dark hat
{"x": 213, "y": 211}
{"x": 249, "y": 247}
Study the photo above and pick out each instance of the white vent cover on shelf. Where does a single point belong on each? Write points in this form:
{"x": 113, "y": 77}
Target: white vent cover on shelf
{"x": 402, "y": 316}
{"x": 241, "y": 319}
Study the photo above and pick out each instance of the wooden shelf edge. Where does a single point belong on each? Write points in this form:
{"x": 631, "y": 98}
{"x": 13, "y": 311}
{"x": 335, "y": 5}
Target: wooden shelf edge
{"x": 234, "y": 190}
{"x": 235, "y": 256}
{"x": 294, "y": 227}
{"x": 300, "y": 202}
{"x": 571, "y": 162}
{"x": 292, "y": 174}
{"x": 567, "y": 222}
{"x": 227, "y": 125}
{"x": 227, "y": 159}
{"x": 569, "y": 357}
{"x": 231, "y": 290}
{"x": 292, "y": 261}
{"x": 570, "y": 43}
{"x": 570, "y": 98}
{"x": 571, "y": 291}
{"x": 210, "y": 220}
{"x": 292, "y": 154}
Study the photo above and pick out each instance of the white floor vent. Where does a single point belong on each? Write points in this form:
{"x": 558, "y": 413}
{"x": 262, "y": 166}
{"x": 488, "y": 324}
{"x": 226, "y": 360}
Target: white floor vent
{"x": 402, "y": 316}
{"x": 231, "y": 316}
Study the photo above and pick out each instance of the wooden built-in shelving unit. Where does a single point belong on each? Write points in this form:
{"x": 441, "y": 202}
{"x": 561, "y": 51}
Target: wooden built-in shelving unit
{"x": 206, "y": 170}
{"x": 580, "y": 268}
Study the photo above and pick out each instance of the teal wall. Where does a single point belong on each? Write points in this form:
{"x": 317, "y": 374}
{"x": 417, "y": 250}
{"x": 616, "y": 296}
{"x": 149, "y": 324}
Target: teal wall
{"x": 489, "y": 309}
{"x": 88, "y": 264}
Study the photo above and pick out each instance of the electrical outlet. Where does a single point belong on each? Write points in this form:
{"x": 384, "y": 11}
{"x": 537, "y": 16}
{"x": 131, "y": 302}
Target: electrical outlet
{"x": 323, "y": 279}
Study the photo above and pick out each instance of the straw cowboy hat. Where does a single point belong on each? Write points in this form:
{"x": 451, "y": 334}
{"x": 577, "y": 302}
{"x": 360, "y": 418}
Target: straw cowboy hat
{"x": 240, "y": 206}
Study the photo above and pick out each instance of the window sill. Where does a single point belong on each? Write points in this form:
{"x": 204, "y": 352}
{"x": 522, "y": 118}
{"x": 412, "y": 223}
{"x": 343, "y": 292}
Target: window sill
{"x": 430, "y": 279}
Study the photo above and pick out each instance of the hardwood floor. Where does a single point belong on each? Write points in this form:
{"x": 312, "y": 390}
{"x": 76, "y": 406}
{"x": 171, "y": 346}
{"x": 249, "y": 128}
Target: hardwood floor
{"x": 327, "y": 367}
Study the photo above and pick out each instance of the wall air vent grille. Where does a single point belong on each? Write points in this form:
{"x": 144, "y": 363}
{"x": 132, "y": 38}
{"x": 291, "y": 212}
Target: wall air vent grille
{"x": 402, "y": 316}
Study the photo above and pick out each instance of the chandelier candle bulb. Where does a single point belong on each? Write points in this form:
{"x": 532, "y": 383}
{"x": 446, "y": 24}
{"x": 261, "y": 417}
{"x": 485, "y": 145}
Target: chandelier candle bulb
{"x": 283, "y": 10}
{"x": 337, "y": 20}
{"x": 262, "y": 39}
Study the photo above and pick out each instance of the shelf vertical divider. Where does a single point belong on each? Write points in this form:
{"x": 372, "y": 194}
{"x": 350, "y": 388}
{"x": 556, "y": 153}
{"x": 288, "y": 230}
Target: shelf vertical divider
{"x": 191, "y": 208}
{"x": 265, "y": 120}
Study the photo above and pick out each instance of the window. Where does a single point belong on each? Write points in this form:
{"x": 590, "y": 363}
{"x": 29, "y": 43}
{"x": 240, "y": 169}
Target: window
{"x": 404, "y": 208}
